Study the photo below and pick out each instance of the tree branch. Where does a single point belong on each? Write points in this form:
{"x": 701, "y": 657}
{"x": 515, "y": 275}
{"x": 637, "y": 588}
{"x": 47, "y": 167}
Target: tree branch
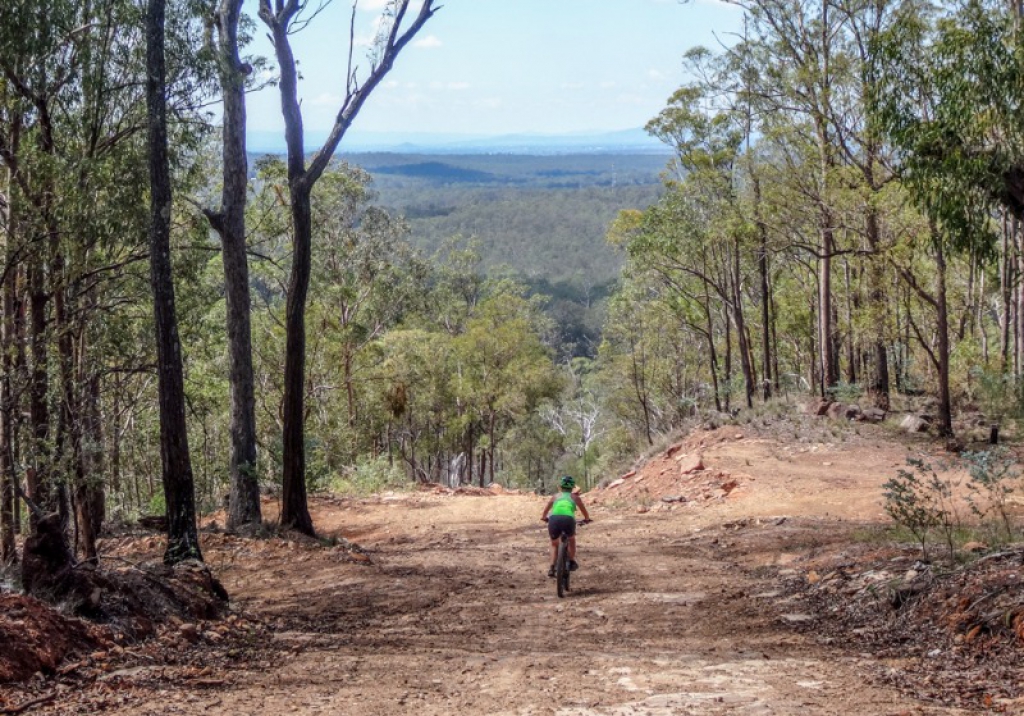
{"x": 355, "y": 100}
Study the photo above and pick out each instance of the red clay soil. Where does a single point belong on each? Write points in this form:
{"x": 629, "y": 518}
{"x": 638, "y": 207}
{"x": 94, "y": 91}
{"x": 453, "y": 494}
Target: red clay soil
{"x": 34, "y": 637}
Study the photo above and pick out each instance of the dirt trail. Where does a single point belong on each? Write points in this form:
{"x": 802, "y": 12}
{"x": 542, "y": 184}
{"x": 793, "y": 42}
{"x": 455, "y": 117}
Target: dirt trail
{"x": 674, "y": 611}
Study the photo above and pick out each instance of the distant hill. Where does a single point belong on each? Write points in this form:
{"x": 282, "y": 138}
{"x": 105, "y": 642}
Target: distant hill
{"x": 393, "y": 170}
{"x": 544, "y": 217}
{"x": 438, "y": 171}
{"x": 541, "y": 217}
{"x": 627, "y": 141}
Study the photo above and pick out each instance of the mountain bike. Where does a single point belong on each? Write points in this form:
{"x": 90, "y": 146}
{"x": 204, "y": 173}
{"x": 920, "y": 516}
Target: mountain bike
{"x": 562, "y": 562}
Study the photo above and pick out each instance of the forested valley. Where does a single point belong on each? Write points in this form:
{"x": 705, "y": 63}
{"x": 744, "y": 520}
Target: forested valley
{"x": 190, "y": 328}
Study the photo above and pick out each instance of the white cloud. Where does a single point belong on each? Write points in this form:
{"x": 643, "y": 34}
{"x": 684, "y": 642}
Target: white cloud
{"x": 428, "y": 42}
{"x": 325, "y": 99}
{"x": 656, "y": 74}
{"x": 609, "y": 84}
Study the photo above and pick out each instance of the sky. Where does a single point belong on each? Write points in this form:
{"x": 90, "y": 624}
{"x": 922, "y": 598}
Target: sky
{"x": 499, "y": 67}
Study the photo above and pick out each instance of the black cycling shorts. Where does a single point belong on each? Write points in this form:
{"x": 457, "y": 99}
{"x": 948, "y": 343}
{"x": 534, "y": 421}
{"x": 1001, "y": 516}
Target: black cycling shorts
{"x": 561, "y": 524}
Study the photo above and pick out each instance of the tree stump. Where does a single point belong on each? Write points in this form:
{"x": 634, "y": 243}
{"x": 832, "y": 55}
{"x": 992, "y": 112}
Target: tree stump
{"x": 47, "y": 561}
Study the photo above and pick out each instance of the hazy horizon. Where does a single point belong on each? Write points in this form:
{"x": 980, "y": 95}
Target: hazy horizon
{"x": 618, "y": 141}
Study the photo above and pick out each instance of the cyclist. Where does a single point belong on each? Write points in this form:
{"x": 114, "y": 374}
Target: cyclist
{"x": 560, "y": 514}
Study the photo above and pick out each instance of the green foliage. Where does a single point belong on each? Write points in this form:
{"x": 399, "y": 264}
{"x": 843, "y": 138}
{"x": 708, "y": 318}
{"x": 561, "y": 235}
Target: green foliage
{"x": 997, "y": 393}
{"x": 924, "y": 499}
{"x": 944, "y": 87}
{"x": 846, "y": 392}
{"x": 914, "y": 500}
{"x": 370, "y": 476}
{"x": 995, "y": 476}
{"x": 157, "y": 504}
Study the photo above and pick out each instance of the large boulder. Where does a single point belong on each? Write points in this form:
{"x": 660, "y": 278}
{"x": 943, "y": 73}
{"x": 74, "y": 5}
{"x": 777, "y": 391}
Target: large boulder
{"x": 871, "y": 415}
{"x": 914, "y": 423}
{"x": 690, "y": 464}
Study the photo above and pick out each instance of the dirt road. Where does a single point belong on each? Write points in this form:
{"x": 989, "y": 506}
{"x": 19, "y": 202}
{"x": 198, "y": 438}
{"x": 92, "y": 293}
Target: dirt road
{"x": 675, "y": 611}
{"x": 457, "y": 616}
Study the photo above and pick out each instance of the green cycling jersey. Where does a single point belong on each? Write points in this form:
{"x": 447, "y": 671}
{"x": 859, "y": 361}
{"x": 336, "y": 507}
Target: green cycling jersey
{"x": 564, "y": 504}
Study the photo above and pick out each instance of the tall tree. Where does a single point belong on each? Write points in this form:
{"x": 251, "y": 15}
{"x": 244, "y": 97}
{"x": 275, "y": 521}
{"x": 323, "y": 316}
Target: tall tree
{"x": 795, "y": 42}
{"x": 229, "y": 223}
{"x": 707, "y": 145}
{"x": 8, "y": 479}
{"x": 949, "y": 97}
{"x": 179, "y": 490}
{"x": 281, "y": 17}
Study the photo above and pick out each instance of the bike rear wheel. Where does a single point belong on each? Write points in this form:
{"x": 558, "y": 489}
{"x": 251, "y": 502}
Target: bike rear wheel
{"x": 562, "y": 568}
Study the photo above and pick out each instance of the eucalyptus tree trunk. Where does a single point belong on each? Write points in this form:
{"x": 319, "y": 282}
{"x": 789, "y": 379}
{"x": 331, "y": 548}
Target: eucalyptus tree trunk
{"x": 826, "y": 324}
{"x": 19, "y": 372}
{"x": 38, "y": 475}
{"x": 762, "y": 245}
{"x": 945, "y": 426}
{"x": 8, "y": 550}
{"x": 93, "y": 456}
{"x": 294, "y": 507}
{"x": 712, "y": 353}
{"x": 768, "y": 369}
{"x": 229, "y": 223}
{"x": 742, "y": 336}
{"x": 1005, "y": 291}
{"x": 828, "y": 365}
{"x": 71, "y": 417}
{"x": 279, "y": 17}
{"x": 851, "y": 342}
{"x": 879, "y": 381}
{"x": 179, "y": 490}
{"x": 1018, "y": 353}
{"x": 727, "y": 320}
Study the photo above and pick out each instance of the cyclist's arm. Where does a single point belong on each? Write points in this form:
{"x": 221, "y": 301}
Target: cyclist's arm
{"x": 583, "y": 508}
{"x": 547, "y": 508}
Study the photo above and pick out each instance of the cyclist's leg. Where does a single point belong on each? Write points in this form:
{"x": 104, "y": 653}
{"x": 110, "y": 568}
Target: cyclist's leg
{"x": 555, "y": 529}
{"x": 572, "y": 548}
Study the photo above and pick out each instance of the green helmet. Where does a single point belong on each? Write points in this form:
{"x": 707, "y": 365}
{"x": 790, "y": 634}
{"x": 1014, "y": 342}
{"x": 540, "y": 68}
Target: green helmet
{"x": 567, "y": 482}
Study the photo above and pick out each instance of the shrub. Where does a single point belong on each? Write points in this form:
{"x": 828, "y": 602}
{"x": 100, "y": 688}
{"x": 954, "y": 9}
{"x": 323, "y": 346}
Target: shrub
{"x": 920, "y": 500}
{"x": 994, "y": 477}
{"x": 845, "y": 392}
{"x": 370, "y": 476}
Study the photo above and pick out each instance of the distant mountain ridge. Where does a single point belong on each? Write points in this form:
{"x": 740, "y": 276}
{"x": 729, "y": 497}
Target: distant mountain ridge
{"x": 626, "y": 141}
